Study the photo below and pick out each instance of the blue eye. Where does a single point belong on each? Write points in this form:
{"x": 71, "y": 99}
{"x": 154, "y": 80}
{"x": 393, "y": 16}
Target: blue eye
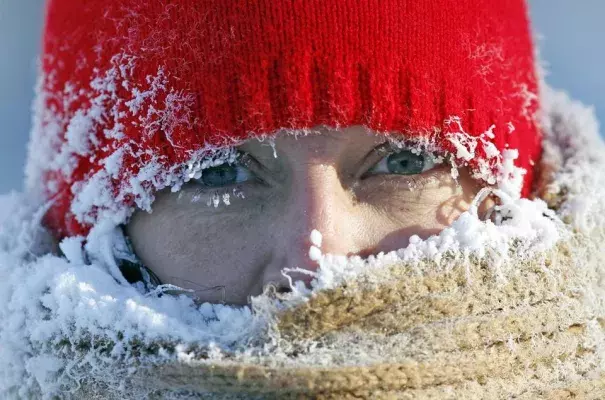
{"x": 403, "y": 162}
{"x": 225, "y": 175}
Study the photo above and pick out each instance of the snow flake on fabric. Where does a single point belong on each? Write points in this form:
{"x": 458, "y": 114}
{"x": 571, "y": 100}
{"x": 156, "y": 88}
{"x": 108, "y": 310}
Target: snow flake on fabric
{"x": 112, "y": 172}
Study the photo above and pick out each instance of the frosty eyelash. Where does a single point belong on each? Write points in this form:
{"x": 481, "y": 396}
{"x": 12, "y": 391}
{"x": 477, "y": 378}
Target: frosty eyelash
{"x": 226, "y": 174}
{"x": 217, "y": 197}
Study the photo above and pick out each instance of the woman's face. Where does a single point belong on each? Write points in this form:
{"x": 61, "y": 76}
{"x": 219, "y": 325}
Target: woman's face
{"x": 239, "y": 225}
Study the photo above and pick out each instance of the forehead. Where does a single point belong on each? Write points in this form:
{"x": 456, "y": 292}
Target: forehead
{"x": 318, "y": 141}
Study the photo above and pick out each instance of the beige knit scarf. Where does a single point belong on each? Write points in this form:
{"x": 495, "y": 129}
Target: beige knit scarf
{"x": 457, "y": 334}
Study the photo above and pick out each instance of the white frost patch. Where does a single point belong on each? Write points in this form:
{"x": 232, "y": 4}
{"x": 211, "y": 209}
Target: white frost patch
{"x": 496, "y": 168}
{"x": 465, "y": 148}
{"x": 316, "y": 238}
{"x": 568, "y": 126}
{"x": 315, "y": 253}
{"x": 215, "y": 199}
{"x": 510, "y": 176}
{"x": 511, "y": 127}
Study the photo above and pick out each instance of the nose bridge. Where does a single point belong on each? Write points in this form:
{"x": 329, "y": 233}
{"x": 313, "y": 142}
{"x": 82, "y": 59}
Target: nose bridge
{"x": 319, "y": 201}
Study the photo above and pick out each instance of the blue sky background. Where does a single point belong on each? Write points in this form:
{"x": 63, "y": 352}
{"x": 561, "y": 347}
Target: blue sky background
{"x": 573, "y": 44}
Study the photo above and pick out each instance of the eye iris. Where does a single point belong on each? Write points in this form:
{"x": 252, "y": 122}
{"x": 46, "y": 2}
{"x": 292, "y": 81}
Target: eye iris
{"x": 405, "y": 163}
{"x": 221, "y": 175}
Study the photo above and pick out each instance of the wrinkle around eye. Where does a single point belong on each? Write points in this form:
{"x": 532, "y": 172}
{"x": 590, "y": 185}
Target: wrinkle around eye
{"x": 419, "y": 188}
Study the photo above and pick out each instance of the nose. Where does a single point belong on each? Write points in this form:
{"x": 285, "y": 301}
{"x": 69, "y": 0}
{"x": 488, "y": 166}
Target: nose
{"x": 317, "y": 201}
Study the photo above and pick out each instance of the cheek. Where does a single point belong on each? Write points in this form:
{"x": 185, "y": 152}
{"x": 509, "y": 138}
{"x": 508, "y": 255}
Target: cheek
{"x": 436, "y": 202}
{"x": 196, "y": 246}
{"x": 400, "y": 209}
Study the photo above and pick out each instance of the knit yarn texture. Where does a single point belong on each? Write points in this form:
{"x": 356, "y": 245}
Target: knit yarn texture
{"x": 434, "y": 337}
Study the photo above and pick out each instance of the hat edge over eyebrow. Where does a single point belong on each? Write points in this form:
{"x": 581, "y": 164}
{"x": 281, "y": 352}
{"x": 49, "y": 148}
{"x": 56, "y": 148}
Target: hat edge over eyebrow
{"x": 132, "y": 94}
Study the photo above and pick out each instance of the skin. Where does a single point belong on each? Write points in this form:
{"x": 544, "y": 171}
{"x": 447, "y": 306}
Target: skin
{"x": 319, "y": 181}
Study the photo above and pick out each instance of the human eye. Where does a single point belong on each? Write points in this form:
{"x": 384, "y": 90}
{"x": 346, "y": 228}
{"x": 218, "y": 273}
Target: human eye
{"x": 225, "y": 175}
{"x": 403, "y": 162}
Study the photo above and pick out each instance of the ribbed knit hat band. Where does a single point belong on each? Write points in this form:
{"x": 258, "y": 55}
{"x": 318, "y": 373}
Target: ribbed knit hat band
{"x": 133, "y": 89}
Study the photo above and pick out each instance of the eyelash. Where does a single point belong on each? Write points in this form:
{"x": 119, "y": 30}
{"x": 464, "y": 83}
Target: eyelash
{"x": 428, "y": 158}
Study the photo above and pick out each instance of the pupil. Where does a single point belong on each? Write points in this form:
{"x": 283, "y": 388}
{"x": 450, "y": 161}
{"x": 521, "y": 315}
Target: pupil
{"x": 405, "y": 163}
{"x": 219, "y": 176}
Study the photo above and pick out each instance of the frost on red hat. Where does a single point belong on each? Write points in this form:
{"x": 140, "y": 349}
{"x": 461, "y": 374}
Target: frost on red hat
{"x": 135, "y": 96}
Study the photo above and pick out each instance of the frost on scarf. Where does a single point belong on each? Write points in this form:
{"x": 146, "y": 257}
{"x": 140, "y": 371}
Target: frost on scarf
{"x": 68, "y": 318}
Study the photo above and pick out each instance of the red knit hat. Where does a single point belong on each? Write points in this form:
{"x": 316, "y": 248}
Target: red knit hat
{"x": 135, "y": 95}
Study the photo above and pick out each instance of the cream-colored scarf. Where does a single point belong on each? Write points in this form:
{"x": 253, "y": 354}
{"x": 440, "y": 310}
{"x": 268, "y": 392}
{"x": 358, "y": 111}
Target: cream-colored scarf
{"x": 459, "y": 334}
